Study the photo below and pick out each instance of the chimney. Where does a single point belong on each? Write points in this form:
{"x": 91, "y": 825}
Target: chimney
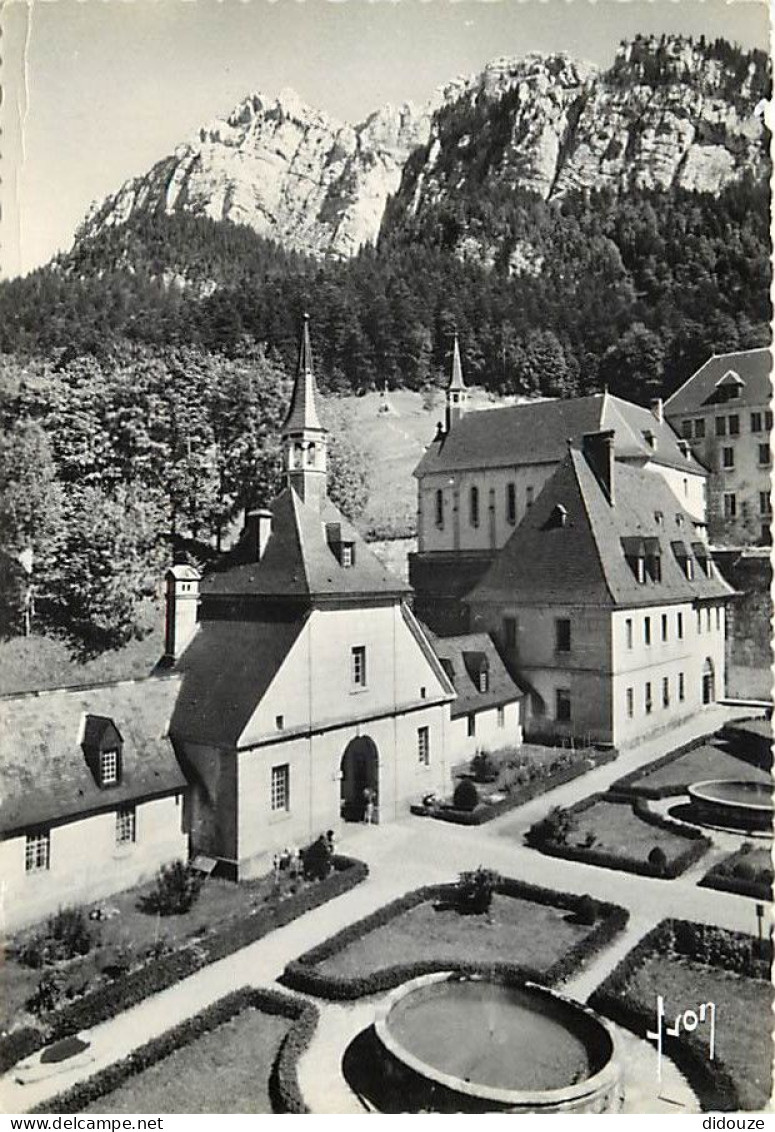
{"x": 258, "y": 528}
{"x": 598, "y": 449}
{"x": 658, "y": 409}
{"x": 181, "y": 600}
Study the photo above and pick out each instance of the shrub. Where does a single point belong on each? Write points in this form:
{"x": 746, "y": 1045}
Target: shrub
{"x": 658, "y": 860}
{"x": 65, "y": 936}
{"x": 466, "y": 796}
{"x": 483, "y": 767}
{"x": 746, "y": 847}
{"x": 177, "y": 889}
{"x": 586, "y": 911}
{"x": 744, "y": 870}
{"x": 317, "y": 859}
{"x": 52, "y": 991}
{"x": 475, "y": 890}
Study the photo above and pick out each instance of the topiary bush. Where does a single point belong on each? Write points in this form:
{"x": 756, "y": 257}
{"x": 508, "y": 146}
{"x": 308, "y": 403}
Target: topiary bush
{"x": 744, "y": 870}
{"x": 177, "y": 890}
{"x": 586, "y": 911}
{"x": 466, "y": 796}
{"x": 657, "y": 858}
{"x": 475, "y": 890}
{"x": 317, "y": 859}
{"x": 483, "y": 767}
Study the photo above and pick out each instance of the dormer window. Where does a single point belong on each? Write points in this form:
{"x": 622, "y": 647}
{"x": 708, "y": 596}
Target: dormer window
{"x": 659, "y": 518}
{"x": 650, "y": 438}
{"x": 348, "y": 554}
{"x": 653, "y": 557}
{"x": 702, "y": 554}
{"x": 103, "y": 747}
{"x": 109, "y": 767}
{"x": 558, "y": 517}
{"x": 484, "y": 680}
{"x": 684, "y": 560}
{"x": 635, "y": 555}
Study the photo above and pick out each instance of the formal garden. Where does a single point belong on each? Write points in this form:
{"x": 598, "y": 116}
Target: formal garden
{"x": 493, "y": 782}
{"x": 239, "y": 1055}
{"x": 690, "y": 965}
{"x": 676, "y": 772}
{"x": 617, "y": 832}
{"x": 747, "y": 872}
{"x": 86, "y": 964}
{"x": 483, "y": 921}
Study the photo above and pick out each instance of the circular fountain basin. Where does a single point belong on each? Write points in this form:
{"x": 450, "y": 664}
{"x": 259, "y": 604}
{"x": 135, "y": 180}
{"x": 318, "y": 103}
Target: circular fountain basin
{"x": 728, "y": 802}
{"x": 480, "y": 1045}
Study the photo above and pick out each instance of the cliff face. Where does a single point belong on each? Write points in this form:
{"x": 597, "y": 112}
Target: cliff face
{"x": 667, "y": 113}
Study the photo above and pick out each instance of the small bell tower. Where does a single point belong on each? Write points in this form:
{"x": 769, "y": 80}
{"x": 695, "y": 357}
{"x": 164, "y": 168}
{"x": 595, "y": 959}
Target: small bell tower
{"x": 457, "y": 394}
{"x": 305, "y": 441}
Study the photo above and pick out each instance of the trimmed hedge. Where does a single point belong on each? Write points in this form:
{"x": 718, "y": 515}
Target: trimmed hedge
{"x": 301, "y": 974}
{"x": 756, "y": 889}
{"x": 158, "y": 974}
{"x": 630, "y": 784}
{"x": 711, "y": 1081}
{"x": 607, "y": 860}
{"x": 284, "y": 1083}
{"x": 485, "y": 812}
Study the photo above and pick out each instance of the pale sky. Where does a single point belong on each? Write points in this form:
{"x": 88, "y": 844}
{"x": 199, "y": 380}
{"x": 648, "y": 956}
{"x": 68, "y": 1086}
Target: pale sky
{"x": 111, "y": 86}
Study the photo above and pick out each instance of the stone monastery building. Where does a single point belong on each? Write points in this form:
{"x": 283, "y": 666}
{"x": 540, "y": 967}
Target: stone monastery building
{"x": 296, "y": 678}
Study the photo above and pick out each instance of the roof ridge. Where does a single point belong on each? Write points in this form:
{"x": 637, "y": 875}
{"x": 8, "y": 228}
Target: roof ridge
{"x": 32, "y": 693}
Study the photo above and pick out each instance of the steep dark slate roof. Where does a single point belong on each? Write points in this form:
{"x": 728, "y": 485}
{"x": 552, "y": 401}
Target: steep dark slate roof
{"x": 752, "y": 367}
{"x": 226, "y": 670}
{"x": 462, "y": 657}
{"x": 44, "y": 775}
{"x": 538, "y": 433}
{"x": 299, "y": 562}
{"x": 583, "y": 562}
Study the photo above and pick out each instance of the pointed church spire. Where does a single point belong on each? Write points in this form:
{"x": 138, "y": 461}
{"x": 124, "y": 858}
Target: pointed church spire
{"x": 304, "y": 438}
{"x": 457, "y": 394}
{"x": 303, "y": 411}
{"x": 456, "y": 381}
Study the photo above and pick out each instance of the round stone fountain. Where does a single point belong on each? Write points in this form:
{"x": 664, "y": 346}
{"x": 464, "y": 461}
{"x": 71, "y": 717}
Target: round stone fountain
{"x": 472, "y": 1044}
{"x": 729, "y": 804}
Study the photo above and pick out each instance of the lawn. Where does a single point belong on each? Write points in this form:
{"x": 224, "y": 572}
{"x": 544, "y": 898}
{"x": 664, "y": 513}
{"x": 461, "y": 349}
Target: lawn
{"x": 749, "y": 867}
{"x": 613, "y": 827}
{"x": 516, "y": 931}
{"x": 743, "y": 1016}
{"x": 134, "y": 932}
{"x": 702, "y": 763}
{"x": 225, "y": 1070}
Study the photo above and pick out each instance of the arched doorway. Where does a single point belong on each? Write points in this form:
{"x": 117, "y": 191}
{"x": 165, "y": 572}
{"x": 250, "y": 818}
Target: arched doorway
{"x": 708, "y": 682}
{"x": 359, "y": 774}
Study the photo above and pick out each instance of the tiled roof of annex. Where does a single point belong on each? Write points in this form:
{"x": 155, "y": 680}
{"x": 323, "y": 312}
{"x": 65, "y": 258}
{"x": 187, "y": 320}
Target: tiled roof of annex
{"x": 538, "y": 433}
{"x": 749, "y": 370}
{"x": 575, "y": 547}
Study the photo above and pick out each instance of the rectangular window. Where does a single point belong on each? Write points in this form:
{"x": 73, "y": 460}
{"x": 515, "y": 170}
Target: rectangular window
{"x": 664, "y": 626}
{"x": 718, "y": 618}
{"x": 647, "y": 698}
{"x": 734, "y": 425}
{"x": 562, "y": 634}
{"x": 756, "y": 422}
{"x": 699, "y": 429}
{"x": 728, "y": 458}
{"x": 680, "y": 626}
{"x": 440, "y": 509}
{"x": 768, "y": 419}
{"x": 529, "y": 496}
{"x": 707, "y": 618}
{"x": 665, "y": 692}
{"x": 647, "y": 630}
{"x": 280, "y": 798}
{"x": 628, "y": 630}
{"x": 471, "y": 724}
{"x": 424, "y": 746}
{"x": 630, "y": 703}
{"x": 109, "y": 767}
{"x": 765, "y": 503}
{"x": 511, "y": 503}
{"x": 681, "y": 688}
{"x": 37, "y": 853}
{"x": 686, "y": 429}
{"x": 730, "y": 505}
{"x": 721, "y": 426}
{"x": 484, "y": 680}
{"x": 474, "y": 506}
{"x": 501, "y": 717}
{"x": 764, "y": 455}
{"x": 125, "y": 825}
{"x": 279, "y": 722}
{"x": 562, "y": 704}
{"x": 348, "y": 555}
{"x": 699, "y": 621}
{"x": 358, "y": 663}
